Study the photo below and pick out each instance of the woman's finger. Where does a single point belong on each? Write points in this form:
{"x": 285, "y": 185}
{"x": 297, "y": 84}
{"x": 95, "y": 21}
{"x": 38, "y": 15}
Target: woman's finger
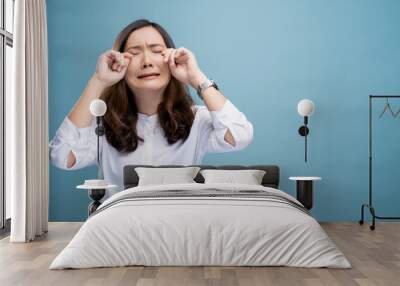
{"x": 167, "y": 54}
{"x": 110, "y": 57}
{"x": 113, "y": 54}
{"x": 120, "y": 58}
{"x": 123, "y": 68}
{"x": 182, "y": 55}
{"x": 109, "y": 60}
{"x": 172, "y": 63}
{"x": 127, "y": 55}
{"x": 182, "y": 51}
{"x": 120, "y": 66}
{"x": 164, "y": 54}
{"x": 114, "y": 66}
{"x": 113, "y": 57}
{"x": 176, "y": 56}
{"x": 172, "y": 56}
{"x": 122, "y": 61}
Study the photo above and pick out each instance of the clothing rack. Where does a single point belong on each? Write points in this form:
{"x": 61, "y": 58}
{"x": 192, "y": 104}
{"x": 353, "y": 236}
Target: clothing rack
{"x": 370, "y": 203}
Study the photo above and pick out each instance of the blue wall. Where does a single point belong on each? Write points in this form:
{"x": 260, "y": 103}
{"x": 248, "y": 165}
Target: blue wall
{"x": 265, "y": 56}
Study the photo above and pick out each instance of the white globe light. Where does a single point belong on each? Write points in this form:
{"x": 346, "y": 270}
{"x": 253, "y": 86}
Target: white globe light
{"x": 98, "y": 107}
{"x": 305, "y": 107}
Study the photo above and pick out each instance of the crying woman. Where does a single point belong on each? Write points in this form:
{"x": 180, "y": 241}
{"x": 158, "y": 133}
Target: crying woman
{"x": 151, "y": 118}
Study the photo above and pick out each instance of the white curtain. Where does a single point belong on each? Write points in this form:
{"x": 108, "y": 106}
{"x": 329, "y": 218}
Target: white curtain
{"x": 27, "y": 124}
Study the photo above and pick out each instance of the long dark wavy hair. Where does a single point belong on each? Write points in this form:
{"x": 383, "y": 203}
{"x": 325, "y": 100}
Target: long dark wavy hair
{"x": 175, "y": 112}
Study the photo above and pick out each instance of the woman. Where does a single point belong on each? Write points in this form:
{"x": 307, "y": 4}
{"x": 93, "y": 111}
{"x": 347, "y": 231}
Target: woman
{"x": 151, "y": 118}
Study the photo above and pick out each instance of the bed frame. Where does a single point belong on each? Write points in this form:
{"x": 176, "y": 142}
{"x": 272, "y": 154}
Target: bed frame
{"x": 270, "y": 179}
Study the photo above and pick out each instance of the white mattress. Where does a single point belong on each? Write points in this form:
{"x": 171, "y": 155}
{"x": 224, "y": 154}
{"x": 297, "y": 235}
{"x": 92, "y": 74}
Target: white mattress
{"x": 200, "y": 231}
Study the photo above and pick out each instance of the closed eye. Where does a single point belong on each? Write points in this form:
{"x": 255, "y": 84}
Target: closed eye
{"x": 133, "y": 53}
{"x": 138, "y": 53}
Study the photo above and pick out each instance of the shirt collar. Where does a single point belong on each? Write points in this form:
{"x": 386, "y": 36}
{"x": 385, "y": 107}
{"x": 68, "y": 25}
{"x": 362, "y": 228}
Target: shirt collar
{"x": 149, "y": 122}
{"x": 147, "y": 118}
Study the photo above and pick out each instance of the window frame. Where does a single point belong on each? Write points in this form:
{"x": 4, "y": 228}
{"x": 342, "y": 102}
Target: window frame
{"x": 6, "y": 39}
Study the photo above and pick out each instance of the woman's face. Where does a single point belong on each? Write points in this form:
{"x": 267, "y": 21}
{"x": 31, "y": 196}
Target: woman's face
{"x": 147, "y": 70}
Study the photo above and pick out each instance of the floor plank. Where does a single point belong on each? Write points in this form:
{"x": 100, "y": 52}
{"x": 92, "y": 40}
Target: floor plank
{"x": 374, "y": 255}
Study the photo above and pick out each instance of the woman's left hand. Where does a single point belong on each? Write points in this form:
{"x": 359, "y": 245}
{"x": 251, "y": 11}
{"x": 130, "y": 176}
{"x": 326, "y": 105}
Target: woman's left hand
{"x": 183, "y": 66}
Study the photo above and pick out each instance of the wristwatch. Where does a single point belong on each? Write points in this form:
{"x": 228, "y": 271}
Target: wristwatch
{"x": 206, "y": 84}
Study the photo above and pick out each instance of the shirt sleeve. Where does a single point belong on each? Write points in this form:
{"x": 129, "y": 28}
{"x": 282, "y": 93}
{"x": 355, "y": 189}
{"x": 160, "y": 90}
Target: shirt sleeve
{"x": 214, "y": 125}
{"x": 81, "y": 141}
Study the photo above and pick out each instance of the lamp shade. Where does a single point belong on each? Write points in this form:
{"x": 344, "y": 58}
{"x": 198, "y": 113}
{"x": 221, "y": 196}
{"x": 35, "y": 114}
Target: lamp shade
{"x": 98, "y": 107}
{"x": 305, "y": 107}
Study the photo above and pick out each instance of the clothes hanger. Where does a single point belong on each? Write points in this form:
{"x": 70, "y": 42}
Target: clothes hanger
{"x": 386, "y": 107}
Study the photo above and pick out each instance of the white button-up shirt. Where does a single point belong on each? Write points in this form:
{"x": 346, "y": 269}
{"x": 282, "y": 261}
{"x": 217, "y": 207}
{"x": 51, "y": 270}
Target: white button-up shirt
{"x": 206, "y": 135}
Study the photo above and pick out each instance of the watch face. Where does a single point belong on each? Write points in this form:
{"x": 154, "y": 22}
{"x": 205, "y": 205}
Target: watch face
{"x": 206, "y": 84}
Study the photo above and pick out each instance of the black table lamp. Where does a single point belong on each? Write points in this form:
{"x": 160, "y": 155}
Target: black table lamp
{"x": 97, "y": 190}
{"x": 305, "y": 108}
{"x": 98, "y": 108}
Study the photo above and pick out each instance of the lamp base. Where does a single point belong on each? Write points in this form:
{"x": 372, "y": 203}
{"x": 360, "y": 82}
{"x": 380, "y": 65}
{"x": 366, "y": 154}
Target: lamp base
{"x": 96, "y": 195}
{"x": 303, "y": 130}
{"x": 100, "y": 130}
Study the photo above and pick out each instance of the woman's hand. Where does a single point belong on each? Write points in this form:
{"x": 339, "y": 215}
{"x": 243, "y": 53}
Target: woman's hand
{"x": 183, "y": 66}
{"x": 111, "y": 67}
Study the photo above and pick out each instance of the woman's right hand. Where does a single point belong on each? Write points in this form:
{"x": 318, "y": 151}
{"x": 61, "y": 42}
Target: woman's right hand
{"x": 111, "y": 67}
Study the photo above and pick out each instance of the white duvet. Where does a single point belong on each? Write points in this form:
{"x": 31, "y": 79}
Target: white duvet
{"x": 200, "y": 231}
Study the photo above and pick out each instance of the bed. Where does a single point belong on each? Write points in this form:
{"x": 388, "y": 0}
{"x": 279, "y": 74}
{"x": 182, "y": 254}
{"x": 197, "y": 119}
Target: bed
{"x": 199, "y": 224}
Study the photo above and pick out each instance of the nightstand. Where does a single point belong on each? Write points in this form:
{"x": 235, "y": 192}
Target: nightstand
{"x": 96, "y": 193}
{"x": 304, "y": 190}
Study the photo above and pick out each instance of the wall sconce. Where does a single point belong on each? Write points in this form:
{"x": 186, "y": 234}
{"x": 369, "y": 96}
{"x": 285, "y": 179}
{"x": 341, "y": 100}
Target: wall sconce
{"x": 305, "y": 108}
{"x": 98, "y": 108}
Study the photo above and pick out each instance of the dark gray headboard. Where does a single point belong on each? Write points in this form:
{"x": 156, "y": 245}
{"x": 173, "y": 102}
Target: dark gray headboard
{"x": 270, "y": 179}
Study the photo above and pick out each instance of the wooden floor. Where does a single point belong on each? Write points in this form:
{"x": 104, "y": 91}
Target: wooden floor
{"x": 374, "y": 255}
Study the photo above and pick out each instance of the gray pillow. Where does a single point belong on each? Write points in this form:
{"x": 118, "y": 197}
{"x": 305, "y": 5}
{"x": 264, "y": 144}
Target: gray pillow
{"x": 166, "y": 175}
{"x": 249, "y": 177}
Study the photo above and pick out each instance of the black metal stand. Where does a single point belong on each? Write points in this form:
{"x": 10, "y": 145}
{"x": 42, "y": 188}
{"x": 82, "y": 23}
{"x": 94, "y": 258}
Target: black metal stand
{"x": 99, "y": 132}
{"x": 96, "y": 195}
{"x": 303, "y": 131}
{"x": 304, "y": 190}
{"x": 369, "y": 205}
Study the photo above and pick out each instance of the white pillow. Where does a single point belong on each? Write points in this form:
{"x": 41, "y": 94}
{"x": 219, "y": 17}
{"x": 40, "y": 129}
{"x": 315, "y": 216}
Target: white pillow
{"x": 166, "y": 175}
{"x": 250, "y": 177}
